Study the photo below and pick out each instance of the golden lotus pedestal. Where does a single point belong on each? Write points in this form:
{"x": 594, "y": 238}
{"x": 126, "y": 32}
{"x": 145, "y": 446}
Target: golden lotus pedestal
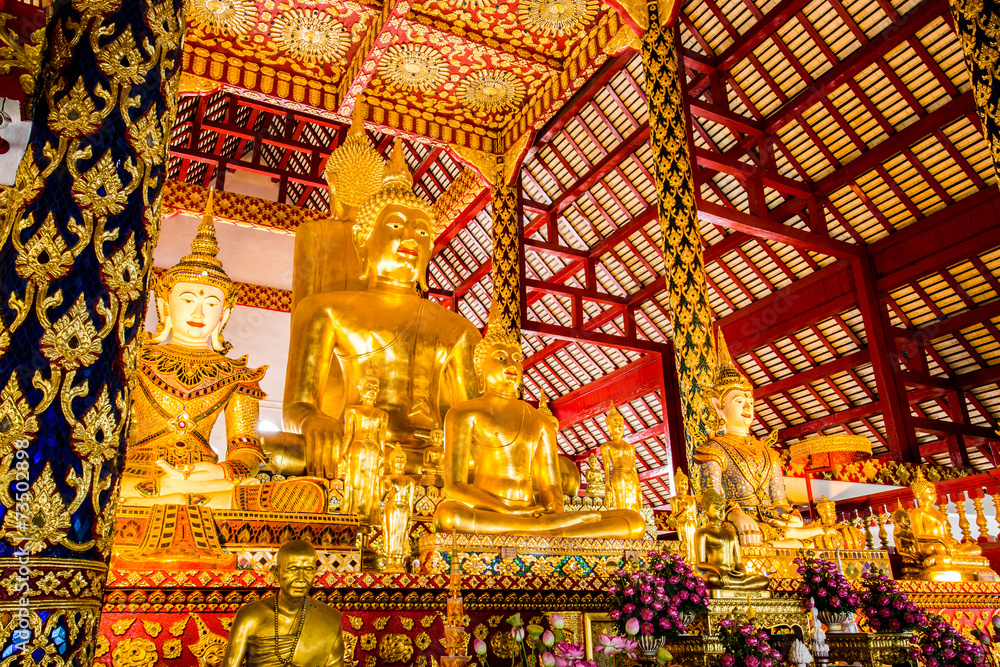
{"x": 769, "y": 612}
{"x": 693, "y": 651}
{"x": 871, "y": 650}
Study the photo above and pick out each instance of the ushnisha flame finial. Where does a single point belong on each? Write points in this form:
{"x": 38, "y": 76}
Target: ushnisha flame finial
{"x": 727, "y": 374}
{"x": 354, "y": 170}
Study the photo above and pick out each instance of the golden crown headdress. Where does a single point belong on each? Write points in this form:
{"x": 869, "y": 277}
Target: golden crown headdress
{"x": 202, "y": 265}
{"x": 727, "y": 374}
{"x": 367, "y": 379}
{"x": 397, "y": 188}
{"x": 711, "y": 498}
{"x": 206, "y": 640}
{"x": 679, "y": 476}
{"x": 396, "y": 453}
{"x": 920, "y": 484}
{"x": 354, "y": 170}
{"x": 614, "y": 417}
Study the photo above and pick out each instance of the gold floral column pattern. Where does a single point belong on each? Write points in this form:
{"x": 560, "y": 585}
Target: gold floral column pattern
{"x": 76, "y": 245}
{"x": 978, "y": 26}
{"x": 684, "y": 260}
{"x": 507, "y": 259}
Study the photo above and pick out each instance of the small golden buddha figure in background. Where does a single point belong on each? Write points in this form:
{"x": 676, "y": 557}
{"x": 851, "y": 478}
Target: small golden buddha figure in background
{"x": 186, "y": 383}
{"x": 288, "y": 627}
{"x": 744, "y": 469}
{"x": 837, "y": 535}
{"x": 928, "y": 549}
{"x": 363, "y": 450}
{"x": 717, "y": 550}
{"x": 420, "y": 351}
{"x": 399, "y": 490}
{"x": 622, "y": 479}
{"x": 684, "y": 508}
{"x": 595, "y": 478}
{"x": 433, "y": 470}
{"x": 513, "y": 448}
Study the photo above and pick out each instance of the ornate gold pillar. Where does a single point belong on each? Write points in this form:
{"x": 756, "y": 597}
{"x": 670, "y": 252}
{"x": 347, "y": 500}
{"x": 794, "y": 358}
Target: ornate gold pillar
{"x": 508, "y": 255}
{"x": 978, "y": 26}
{"x": 76, "y": 247}
{"x": 684, "y": 260}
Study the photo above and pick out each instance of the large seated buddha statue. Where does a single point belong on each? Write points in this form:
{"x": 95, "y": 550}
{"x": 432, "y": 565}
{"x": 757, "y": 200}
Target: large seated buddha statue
{"x": 929, "y": 552}
{"x": 185, "y": 384}
{"x": 419, "y": 351}
{"x": 745, "y": 469}
{"x": 512, "y": 448}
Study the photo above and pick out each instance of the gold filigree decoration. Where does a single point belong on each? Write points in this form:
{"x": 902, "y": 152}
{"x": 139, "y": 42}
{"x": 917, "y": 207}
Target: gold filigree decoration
{"x": 72, "y": 341}
{"x": 414, "y": 67}
{"x": 172, "y": 649}
{"x": 46, "y": 520}
{"x": 395, "y": 648}
{"x": 367, "y": 642}
{"x": 122, "y": 625}
{"x": 45, "y": 256}
{"x": 178, "y": 628}
{"x": 491, "y": 90}
{"x": 75, "y": 115}
{"x": 17, "y": 421}
{"x": 135, "y": 652}
{"x": 152, "y": 628}
{"x": 102, "y": 647}
{"x": 356, "y": 621}
{"x": 556, "y": 18}
{"x": 95, "y": 437}
{"x": 15, "y": 56}
{"x": 423, "y": 641}
{"x": 381, "y": 622}
{"x": 311, "y": 36}
{"x": 227, "y": 17}
{"x": 122, "y": 273}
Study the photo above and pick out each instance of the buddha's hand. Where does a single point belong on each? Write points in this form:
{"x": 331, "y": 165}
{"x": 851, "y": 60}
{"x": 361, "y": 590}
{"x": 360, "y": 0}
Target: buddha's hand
{"x": 323, "y": 436}
{"x": 531, "y": 510}
{"x": 746, "y": 526}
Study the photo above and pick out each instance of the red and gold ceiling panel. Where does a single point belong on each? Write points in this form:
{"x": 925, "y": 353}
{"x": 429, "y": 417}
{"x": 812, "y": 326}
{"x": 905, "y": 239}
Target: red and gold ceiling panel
{"x": 457, "y": 71}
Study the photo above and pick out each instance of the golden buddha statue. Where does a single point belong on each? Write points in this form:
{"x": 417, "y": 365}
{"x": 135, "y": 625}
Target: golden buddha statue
{"x": 622, "y": 479}
{"x": 433, "y": 470}
{"x": 928, "y": 550}
{"x": 717, "y": 550}
{"x": 684, "y": 509}
{"x": 513, "y": 448}
{"x": 186, "y": 384}
{"x": 288, "y": 627}
{"x": 399, "y": 491}
{"x": 837, "y": 535}
{"x": 420, "y": 351}
{"x": 744, "y": 469}
{"x": 362, "y": 451}
{"x": 595, "y": 477}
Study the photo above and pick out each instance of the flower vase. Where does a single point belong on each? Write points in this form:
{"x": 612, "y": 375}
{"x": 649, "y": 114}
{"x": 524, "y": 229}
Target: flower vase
{"x": 649, "y": 644}
{"x": 835, "y": 621}
{"x": 687, "y": 618}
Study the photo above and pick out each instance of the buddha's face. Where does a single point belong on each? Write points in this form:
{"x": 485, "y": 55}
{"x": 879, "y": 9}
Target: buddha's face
{"x": 616, "y": 427}
{"x": 927, "y": 496}
{"x": 715, "y": 510}
{"x": 501, "y": 368}
{"x": 196, "y": 312}
{"x": 369, "y": 392}
{"x": 397, "y": 464}
{"x": 295, "y": 573}
{"x": 826, "y": 513}
{"x": 682, "y": 487}
{"x": 437, "y": 438}
{"x": 399, "y": 246}
{"x": 737, "y": 408}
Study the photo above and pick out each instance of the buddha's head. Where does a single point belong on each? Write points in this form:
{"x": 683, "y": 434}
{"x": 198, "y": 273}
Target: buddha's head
{"x": 394, "y": 229}
{"x": 368, "y": 387}
{"x": 731, "y": 391}
{"x": 615, "y": 423}
{"x": 681, "y": 482}
{"x": 923, "y": 491}
{"x": 195, "y": 298}
{"x": 827, "y": 511}
{"x": 354, "y": 170}
{"x": 295, "y": 568}
{"x": 901, "y": 520}
{"x": 713, "y": 504}
{"x": 436, "y": 438}
{"x": 397, "y": 460}
{"x": 497, "y": 360}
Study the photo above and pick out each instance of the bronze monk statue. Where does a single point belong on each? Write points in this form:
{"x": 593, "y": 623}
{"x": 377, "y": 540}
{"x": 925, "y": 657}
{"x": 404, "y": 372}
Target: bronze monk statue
{"x": 717, "y": 550}
{"x": 420, "y": 352}
{"x": 517, "y": 488}
{"x": 289, "y": 627}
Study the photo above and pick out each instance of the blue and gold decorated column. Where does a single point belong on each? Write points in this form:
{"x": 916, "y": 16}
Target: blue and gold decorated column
{"x": 76, "y": 244}
{"x": 977, "y": 24}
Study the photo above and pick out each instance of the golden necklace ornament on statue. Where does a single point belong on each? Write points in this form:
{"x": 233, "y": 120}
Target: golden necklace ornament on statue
{"x": 287, "y": 662}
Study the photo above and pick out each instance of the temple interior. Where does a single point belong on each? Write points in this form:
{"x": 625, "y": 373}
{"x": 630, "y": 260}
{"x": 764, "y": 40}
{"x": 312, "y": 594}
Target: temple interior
{"x": 570, "y": 333}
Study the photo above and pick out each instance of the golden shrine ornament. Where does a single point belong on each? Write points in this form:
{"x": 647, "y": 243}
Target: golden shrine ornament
{"x": 312, "y": 36}
{"x": 414, "y": 67}
{"x": 491, "y": 90}
{"x": 556, "y": 18}
{"x": 228, "y": 17}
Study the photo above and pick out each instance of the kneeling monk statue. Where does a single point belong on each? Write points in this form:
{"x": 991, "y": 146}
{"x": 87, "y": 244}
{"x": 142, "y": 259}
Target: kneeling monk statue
{"x": 289, "y": 627}
{"x": 517, "y": 488}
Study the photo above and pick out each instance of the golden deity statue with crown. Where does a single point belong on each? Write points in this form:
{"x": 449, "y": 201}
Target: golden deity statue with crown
{"x": 744, "y": 469}
{"x": 348, "y": 321}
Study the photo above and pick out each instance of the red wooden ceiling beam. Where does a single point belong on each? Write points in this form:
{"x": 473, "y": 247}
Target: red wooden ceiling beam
{"x": 820, "y": 372}
{"x": 593, "y": 296}
{"x": 951, "y": 325}
{"x": 941, "y": 427}
{"x": 730, "y": 119}
{"x": 587, "y": 335}
{"x": 742, "y": 170}
{"x": 621, "y": 386}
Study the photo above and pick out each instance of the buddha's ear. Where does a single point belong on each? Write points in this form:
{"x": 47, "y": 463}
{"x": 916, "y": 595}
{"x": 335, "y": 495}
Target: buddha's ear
{"x": 218, "y": 343}
{"x": 717, "y": 404}
{"x": 163, "y": 324}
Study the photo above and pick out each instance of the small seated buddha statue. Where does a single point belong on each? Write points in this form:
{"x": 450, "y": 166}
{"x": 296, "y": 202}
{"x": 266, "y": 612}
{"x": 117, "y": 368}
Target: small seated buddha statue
{"x": 744, "y": 469}
{"x": 717, "y": 550}
{"x": 513, "y": 448}
{"x": 927, "y": 547}
{"x": 684, "y": 509}
{"x": 398, "y": 492}
{"x": 287, "y": 627}
{"x": 623, "y": 489}
{"x": 595, "y": 477}
{"x": 363, "y": 450}
{"x": 837, "y": 535}
{"x": 186, "y": 384}
{"x": 433, "y": 459}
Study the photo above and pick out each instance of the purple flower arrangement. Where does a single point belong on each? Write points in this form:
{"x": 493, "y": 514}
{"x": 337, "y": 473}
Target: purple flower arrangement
{"x": 939, "y": 644}
{"x": 743, "y": 645}
{"x": 536, "y": 646}
{"x": 886, "y": 607}
{"x": 823, "y": 581}
{"x": 653, "y": 596}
